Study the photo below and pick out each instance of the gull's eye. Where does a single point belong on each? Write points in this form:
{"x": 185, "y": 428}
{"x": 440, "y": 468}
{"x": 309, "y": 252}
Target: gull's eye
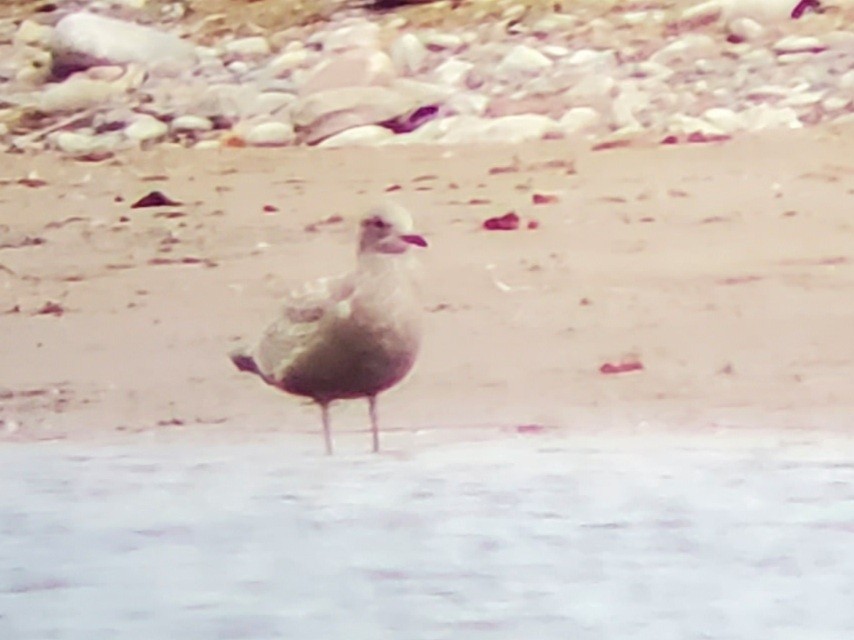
{"x": 379, "y": 223}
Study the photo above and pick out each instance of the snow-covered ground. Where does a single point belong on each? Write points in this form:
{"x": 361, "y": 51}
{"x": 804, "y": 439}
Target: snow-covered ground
{"x": 534, "y": 536}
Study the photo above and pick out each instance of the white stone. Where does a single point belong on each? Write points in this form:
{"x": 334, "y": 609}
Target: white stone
{"x": 251, "y": 47}
{"x": 703, "y": 12}
{"x": 591, "y": 88}
{"x": 763, "y": 11}
{"x": 763, "y": 116}
{"x": 453, "y": 71}
{"x": 207, "y": 144}
{"x": 408, "y": 54}
{"x": 805, "y": 99}
{"x": 82, "y": 143}
{"x": 798, "y": 44}
{"x": 78, "y": 93}
{"x": 687, "y": 125}
{"x": 687, "y": 48}
{"x": 191, "y": 123}
{"x": 579, "y": 119}
{"x": 32, "y": 33}
{"x": 746, "y": 29}
{"x": 366, "y": 135}
{"x": 847, "y": 80}
{"x": 724, "y": 119}
{"x": 286, "y": 62}
{"x": 522, "y": 60}
{"x": 145, "y": 128}
{"x": 508, "y": 129}
{"x": 267, "y": 103}
{"x": 326, "y": 113}
{"x": 362, "y": 67}
{"x": 82, "y": 40}
{"x": 467, "y": 103}
{"x": 442, "y": 41}
{"x": 271, "y": 134}
{"x": 360, "y": 34}
{"x": 592, "y": 58}
{"x": 653, "y": 70}
{"x": 554, "y": 22}
{"x": 835, "y": 103}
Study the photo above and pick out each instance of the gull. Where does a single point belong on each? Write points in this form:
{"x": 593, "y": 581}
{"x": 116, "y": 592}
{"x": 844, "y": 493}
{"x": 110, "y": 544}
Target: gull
{"x": 348, "y": 337}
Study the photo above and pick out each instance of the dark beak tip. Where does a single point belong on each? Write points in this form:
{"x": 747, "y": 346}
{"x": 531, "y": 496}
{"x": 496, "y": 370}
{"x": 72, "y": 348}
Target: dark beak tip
{"x": 415, "y": 239}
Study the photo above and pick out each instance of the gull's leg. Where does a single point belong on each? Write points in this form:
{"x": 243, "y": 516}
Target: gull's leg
{"x": 375, "y": 425}
{"x": 327, "y": 431}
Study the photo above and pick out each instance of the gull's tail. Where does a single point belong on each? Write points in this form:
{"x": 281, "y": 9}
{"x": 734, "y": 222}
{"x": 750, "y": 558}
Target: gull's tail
{"x": 243, "y": 361}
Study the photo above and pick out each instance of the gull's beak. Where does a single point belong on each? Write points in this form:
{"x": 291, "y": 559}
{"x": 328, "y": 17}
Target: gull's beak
{"x": 413, "y": 238}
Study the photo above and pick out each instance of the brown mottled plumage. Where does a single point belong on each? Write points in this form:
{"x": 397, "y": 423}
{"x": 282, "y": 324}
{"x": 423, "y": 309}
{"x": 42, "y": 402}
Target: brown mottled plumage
{"x": 350, "y": 337}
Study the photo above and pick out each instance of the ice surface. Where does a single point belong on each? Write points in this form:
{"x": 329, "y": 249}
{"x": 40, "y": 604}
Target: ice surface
{"x": 514, "y": 538}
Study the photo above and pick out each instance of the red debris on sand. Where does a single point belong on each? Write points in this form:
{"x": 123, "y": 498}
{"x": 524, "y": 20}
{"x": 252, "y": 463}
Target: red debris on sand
{"x": 533, "y": 224}
{"x": 670, "y": 140}
{"x": 802, "y": 6}
{"x": 698, "y": 136}
{"x": 544, "y": 198}
{"x": 530, "y": 428}
{"x": 270, "y": 208}
{"x": 507, "y": 222}
{"x": 609, "y": 368}
{"x": 393, "y": 187}
{"x": 154, "y": 199}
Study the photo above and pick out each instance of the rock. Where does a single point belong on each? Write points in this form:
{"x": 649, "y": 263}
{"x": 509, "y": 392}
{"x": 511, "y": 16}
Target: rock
{"x": 83, "y": 40}
{"x": 190, "y": 123}
{"x": 591, "y": 89}
{"x": 408, "y": 54}
{"x": 798, "y": 44}
{"x": 746, "y": 29}
{"x": 267, "y": 103}
{"x": 82, "y": 143}
{"x": 684, "y": 49}
{"x": 835, "y": 103}
{"x": 765, "y": 12}
{"x": 763, "y": 116}
{"x": 270, "y": 134}
{"x": 507, "y": 129}
{"x": 370, "y": 134}
{"x": 286, "y": 62}
{"x": 326, "y": 113}
{"x": 579, "y": 119}
{"x": 453, "y": 72}
{"x": 145, "y": 128}
{"x": 804, "y": 99}
{"x": 78, "y": 93}
{"x": 686, "y": 125}
{"x": 360, "y": 68}
{"x": 33, "y": 34}
{"x": 442, "y": 41}
{"x": 359, "y": 34}
{"x": 724, "y": 119}
{"x": 522, "y": 60}
{"x": 251, "y": 47}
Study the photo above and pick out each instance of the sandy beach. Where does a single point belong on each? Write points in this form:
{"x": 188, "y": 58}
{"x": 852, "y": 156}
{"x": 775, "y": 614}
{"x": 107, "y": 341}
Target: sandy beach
{"x": 151, "y": 490}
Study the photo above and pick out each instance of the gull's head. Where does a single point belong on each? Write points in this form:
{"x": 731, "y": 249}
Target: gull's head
{"x": 387, "y": 228}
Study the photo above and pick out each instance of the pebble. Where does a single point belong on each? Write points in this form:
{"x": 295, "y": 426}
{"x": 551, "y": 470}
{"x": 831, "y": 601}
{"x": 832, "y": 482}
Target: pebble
{"x": 191, "y": 123}
{"x": 798, "y": 44}
{"x": 408, "y": 54}
{"x": 522, "y": 60}
{"x": 286, "y": 62}
{"x": 145, "y": 128}
{"x": 81, "y": 40}
{"x": 579, "y": 119}
{"x": 354, "y": 81}
{"x": 82, "y": 143}
{"x": 253, "y": 46}
{"x": 370, "y": 134}
{"x": 32, "y": 33}
{"x": 746, "y": 29}
{"x": 271, "y": 134}
{"x": 78, "y": 93}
